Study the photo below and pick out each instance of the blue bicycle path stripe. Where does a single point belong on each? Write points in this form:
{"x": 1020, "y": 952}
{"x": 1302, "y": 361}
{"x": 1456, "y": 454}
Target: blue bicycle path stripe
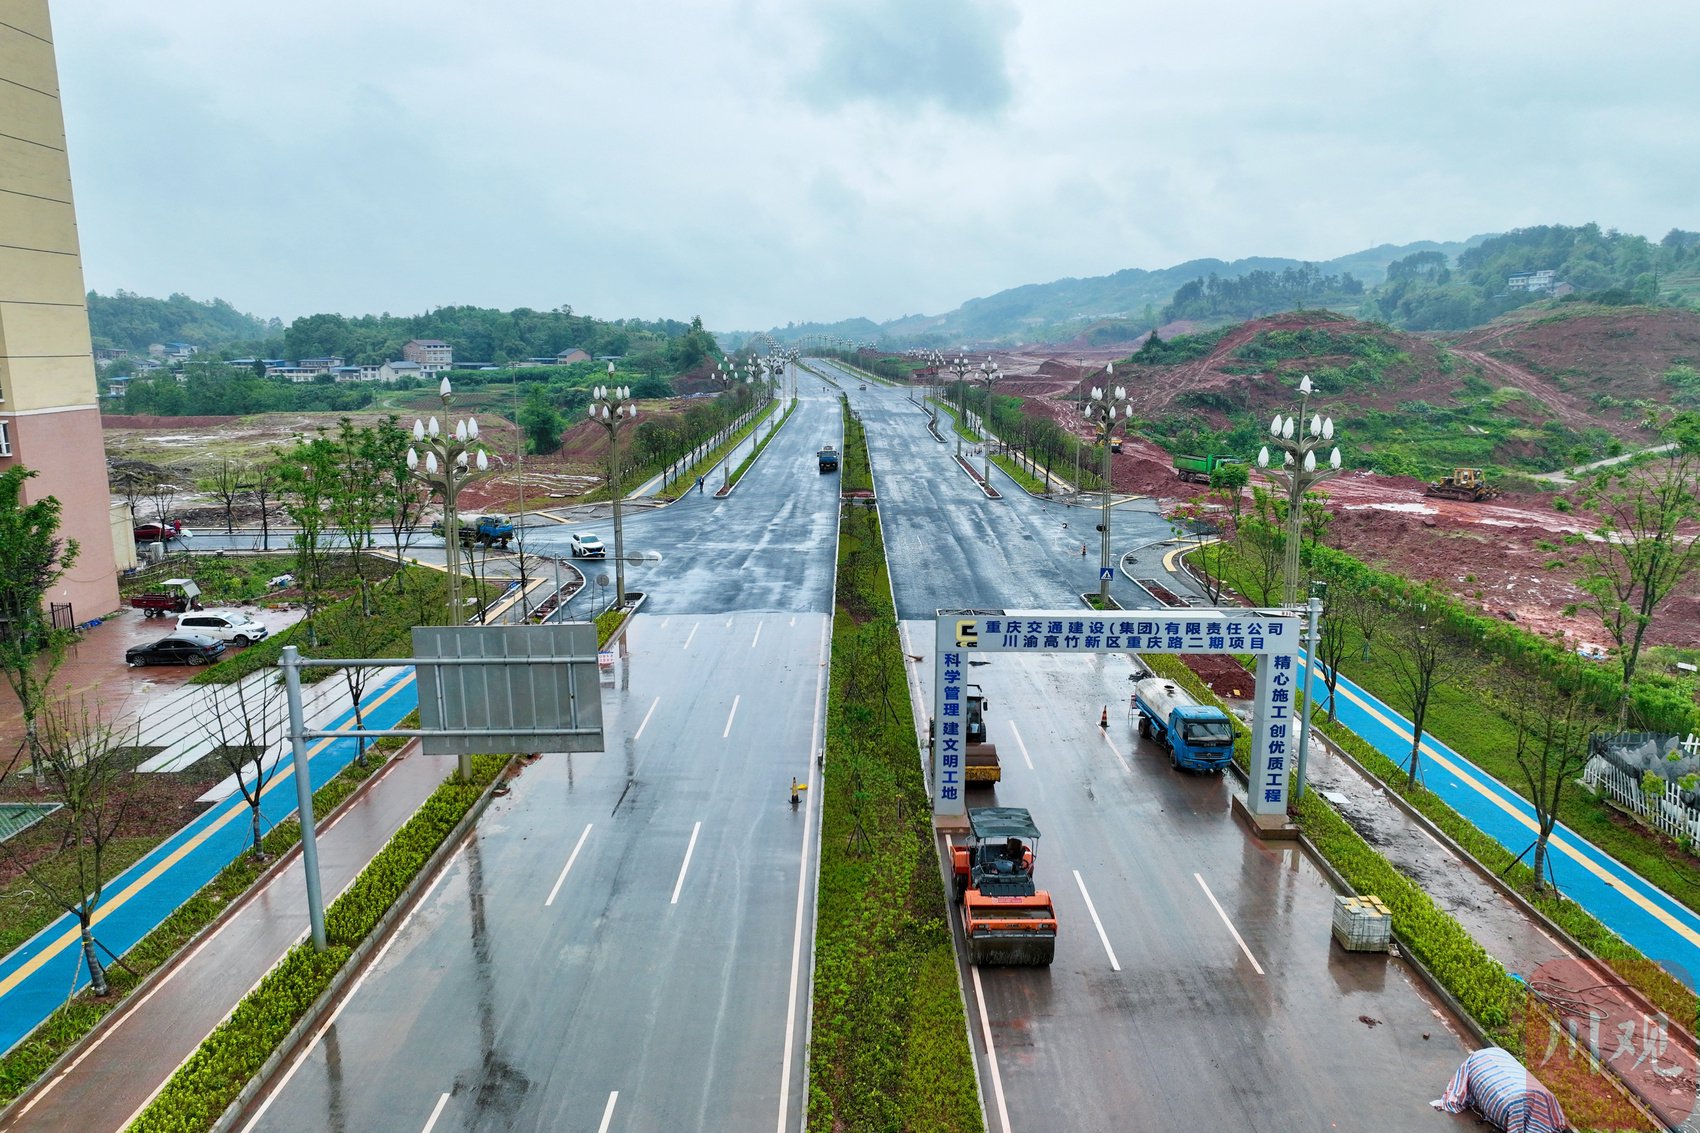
{"x": 46, "y": 970}
{"x": 1659, "y": 926}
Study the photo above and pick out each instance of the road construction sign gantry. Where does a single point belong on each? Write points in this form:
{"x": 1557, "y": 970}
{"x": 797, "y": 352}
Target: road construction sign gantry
{"x": 1272, "y": 636}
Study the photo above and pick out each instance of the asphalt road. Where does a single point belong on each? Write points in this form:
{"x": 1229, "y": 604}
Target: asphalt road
{"x": 628, "y": 931}
{"x": 625, "y": 942}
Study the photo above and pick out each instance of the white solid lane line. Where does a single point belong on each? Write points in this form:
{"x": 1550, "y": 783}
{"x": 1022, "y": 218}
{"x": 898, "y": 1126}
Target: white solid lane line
{"x": 802, "y": 893}
{"x": 436, "y": 1113}
{"x": 690, "y": 637}
{"x": 1022, "y": 745}
{"x": 686, "y": 864}
{"x": 1115, "y": 965}
{"x": 1219, "y": 912}
{"x": 730, "y": 716}
{"x": 608, "y": 1113}
{"x": 991, "y": 1051}
{"x": 1114, "y": 750}
{"x": 573, "y": 857}
{"x": 757, "y": 637}
{"x": 637, "y": 735}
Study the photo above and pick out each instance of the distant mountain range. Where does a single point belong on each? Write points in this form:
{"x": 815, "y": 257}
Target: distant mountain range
{"x": 1065, "y": 308}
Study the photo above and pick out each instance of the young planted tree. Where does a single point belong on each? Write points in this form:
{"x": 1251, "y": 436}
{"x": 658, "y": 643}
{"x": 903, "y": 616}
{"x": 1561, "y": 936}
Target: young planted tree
{"x": 354, "y": 505}
{"x": 1192, "y": 522}
{"x": 1228, "y": 483}
{"x": 1334, "y": 637}
{"x": 32, "y": 558}
{"x": 241, "y": 720}
{"x": 1553, "y": 716}
{"x": 1261, "y": 542}
{"x": 133, "y": 484}
{"x": 227, "y": 483}
{"x": 1426, "y": 653}
{"x": 262, "y": 482}
{"x": 402, "y": 496}
{"x": 87, "y": 768}
{"x": 1644, "y": 548}
{"x": 308, "y": 479}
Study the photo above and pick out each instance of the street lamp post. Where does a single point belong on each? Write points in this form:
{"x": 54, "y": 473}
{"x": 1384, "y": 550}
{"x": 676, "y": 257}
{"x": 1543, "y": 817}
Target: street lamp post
{"x": 960, "y": 367}
{"x": 1103, "y": 410}
{"x": 1298, "y": 440}
{"x": 447, "y": 465}
{"x": 990, "y": 374}
{"x": 612, "y": 407}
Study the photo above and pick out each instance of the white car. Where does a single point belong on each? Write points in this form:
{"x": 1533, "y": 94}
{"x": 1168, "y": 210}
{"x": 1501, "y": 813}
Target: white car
{"x": 233, "y": 626}
{"x": 588, "y": 546}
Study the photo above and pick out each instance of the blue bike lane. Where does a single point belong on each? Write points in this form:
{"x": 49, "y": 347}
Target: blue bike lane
{"x": 45, "y": 971}
{"x": 1662, "y": 928}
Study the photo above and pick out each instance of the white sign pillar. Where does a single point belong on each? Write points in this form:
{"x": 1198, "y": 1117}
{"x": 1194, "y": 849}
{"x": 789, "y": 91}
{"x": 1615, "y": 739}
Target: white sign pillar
{"x": 1272, "y": 636}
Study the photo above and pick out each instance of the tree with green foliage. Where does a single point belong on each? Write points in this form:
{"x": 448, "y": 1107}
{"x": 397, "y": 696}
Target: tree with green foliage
{"x": 541, "y": 422}
{"x": 309, "y": 478}
{"x": 357, "y": 502}
{"x": 1641, "y": 551}
{"x": 33, "y": 556}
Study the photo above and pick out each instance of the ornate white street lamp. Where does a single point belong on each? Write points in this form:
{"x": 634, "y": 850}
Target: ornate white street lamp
{"x": 447, "y": 464}
{"x": 1298, "y": 440}
{"x": 1105, "y": 408}
{"x": 991, "y": 375}
{"x": 613, "y": 408}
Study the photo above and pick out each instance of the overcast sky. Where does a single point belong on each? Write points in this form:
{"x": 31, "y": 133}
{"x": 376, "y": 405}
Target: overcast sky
{"x": 762, "y": 161}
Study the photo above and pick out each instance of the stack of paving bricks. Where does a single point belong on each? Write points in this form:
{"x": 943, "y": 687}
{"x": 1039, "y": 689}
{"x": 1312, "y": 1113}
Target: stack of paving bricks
{"x": 1362, "y": 924}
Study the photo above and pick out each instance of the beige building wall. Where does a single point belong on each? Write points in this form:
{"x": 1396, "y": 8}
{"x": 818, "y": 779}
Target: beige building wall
{"x": 47, "y": 381}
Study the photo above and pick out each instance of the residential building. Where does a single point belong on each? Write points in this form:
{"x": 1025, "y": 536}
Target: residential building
{"x": 1541, "y": 281}
{"x": 49, "y": 408}
{"x": 390, "y": 371}
{"x": 568, "y": 357}
{"x": 320, "y": 365}
{"x": 432, "y": 354}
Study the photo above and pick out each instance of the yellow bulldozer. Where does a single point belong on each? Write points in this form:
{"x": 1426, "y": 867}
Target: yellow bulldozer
{"x": 1464, "y": 484}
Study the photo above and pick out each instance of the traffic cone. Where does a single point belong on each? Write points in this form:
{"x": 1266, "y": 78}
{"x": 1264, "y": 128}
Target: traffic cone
{"x": 1104, "y": 717}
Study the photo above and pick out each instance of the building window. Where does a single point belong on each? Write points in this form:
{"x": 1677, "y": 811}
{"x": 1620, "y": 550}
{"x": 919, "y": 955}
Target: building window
{"x": 5, "y": 438}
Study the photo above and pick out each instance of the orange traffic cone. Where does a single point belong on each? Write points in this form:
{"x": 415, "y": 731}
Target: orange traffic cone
{"x": 1104, "y": 717}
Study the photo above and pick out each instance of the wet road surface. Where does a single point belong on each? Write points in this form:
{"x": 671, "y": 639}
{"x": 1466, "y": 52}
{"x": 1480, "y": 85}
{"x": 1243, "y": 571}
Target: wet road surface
{"x": 627, "y": 931}
{"x": 1155, "y": 1014}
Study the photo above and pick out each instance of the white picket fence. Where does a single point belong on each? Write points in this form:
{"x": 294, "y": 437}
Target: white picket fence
{"x": 1667, "y": 813}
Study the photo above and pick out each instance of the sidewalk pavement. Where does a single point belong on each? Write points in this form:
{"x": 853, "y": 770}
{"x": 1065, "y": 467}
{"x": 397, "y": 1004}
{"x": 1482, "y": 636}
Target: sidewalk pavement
{"x": 40, "y": 974}
{"x": 125, "y": 1062}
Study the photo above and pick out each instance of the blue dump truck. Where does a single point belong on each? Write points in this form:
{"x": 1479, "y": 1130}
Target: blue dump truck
{"x": 493, "y": 530}
{"x": 828, "y": 458}
{"x": 1197, "y": 737}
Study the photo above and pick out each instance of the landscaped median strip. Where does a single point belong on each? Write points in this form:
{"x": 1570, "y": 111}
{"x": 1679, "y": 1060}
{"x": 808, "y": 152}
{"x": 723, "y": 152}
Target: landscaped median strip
{"x": 889, "y": 1048}
{"x": 281, "y": 1008}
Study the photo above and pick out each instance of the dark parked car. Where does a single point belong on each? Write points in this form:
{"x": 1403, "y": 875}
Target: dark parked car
{"x": 178, "y": 649}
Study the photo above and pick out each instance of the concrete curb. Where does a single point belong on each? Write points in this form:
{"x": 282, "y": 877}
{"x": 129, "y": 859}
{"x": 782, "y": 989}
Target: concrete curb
{"x": 354, "y": 966}
{"x": 140, "y": 993}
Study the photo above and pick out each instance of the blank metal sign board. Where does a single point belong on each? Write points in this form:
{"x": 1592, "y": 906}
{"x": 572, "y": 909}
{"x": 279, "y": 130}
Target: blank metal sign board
{"x": 499, "y": 689}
